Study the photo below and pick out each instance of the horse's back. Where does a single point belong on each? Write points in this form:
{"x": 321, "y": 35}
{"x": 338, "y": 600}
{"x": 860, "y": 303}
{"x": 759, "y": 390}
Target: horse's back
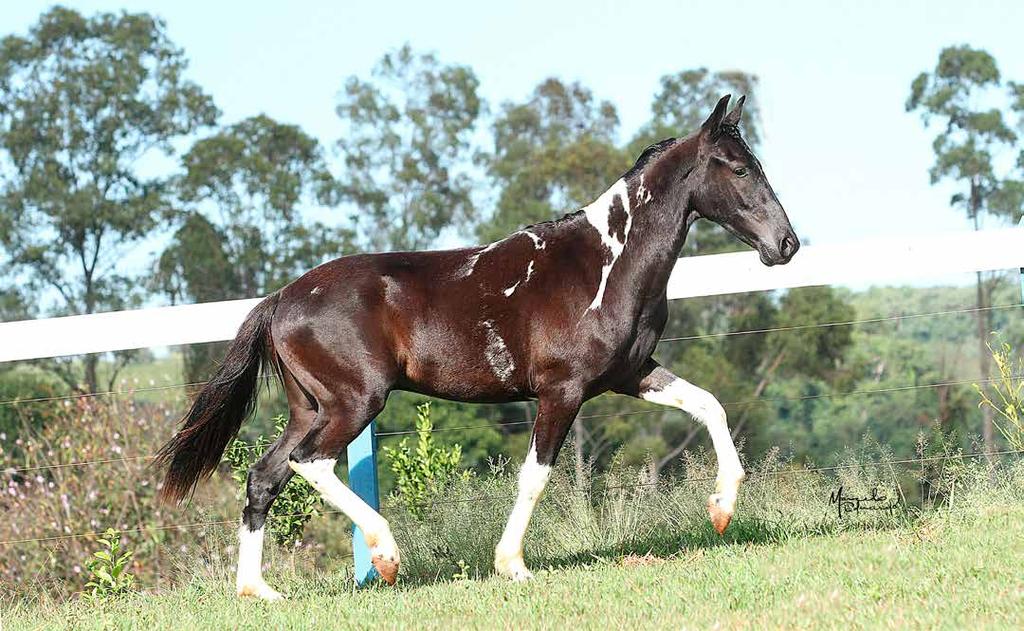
{"x": 410, "y": 317}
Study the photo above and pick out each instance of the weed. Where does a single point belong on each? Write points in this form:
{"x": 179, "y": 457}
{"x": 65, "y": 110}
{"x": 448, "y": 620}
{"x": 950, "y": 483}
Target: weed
{"x": 108, "y": 575}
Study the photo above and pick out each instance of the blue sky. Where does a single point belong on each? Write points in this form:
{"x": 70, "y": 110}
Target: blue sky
{"x": 845, "y": 158}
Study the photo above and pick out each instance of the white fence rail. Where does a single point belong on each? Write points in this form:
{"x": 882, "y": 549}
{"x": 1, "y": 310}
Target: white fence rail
{"x": 877, "y": 259}
{"x": 880, "y": 259}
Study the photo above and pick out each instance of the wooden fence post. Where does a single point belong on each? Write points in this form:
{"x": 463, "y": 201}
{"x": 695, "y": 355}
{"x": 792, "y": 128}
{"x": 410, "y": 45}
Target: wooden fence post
{"x": 362, "y": 479}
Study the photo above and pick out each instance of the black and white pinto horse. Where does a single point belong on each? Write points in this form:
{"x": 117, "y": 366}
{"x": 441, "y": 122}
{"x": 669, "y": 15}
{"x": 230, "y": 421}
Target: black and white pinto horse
{"x": 559, "y": 312}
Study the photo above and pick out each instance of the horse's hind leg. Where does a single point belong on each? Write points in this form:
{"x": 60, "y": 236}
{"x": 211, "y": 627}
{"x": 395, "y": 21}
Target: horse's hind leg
{"x": 267, "y": 478}
{"x": 338, "y": 422}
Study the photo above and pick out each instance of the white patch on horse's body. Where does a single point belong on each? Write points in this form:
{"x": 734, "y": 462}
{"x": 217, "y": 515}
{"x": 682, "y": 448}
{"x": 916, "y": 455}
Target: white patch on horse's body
{"x": 508, "y": 555}
{"x": 643, "y": 194}
{"x": 508, "y": 291}
{"x": 316, "y": 291}
{"x": 704, "y": 407}
{"x": 470, "y": 264}
{"x": 376, "y": 531}
{"x": 249, "y": 579}
{"x": 538, "y": 243}
{"x": 598, "y": 214}
{"x": 498, "y": 356}
{"x": 497, "y": 353}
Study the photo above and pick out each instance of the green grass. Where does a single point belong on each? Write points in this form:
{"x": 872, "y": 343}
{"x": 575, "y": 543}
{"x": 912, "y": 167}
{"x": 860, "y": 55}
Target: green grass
{"x": 642, "y": 557}
{"x": 943, "y": 572}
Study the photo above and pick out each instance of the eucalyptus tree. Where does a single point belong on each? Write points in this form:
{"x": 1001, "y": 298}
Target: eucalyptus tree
{"x": 244, "y": 226}
{"x": 407, "y": 149}
{"x": 552, "y": 153}
{"x": 960, "y": 99}
{"x": 84, "y": 102}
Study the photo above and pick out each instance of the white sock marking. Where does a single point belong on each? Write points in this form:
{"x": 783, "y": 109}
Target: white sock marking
{"x": 598, "y": 214}
{"x": 249, "y": 579}
{"x": 508, "y": 555}
{"x": 320, "y": 474}
{"x": 250, "y": 557}
{"x": 704, "y": 407}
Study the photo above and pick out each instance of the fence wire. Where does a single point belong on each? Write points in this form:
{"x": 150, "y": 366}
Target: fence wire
{"x": 752, "y": 476}
{"x": 498, "y": 424}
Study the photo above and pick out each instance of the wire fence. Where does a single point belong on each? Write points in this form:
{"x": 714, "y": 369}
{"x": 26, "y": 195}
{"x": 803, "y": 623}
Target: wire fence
{"x": 501, "y": 423}
{"x": 504, "y": 423}
{"x": 505, "y": 498}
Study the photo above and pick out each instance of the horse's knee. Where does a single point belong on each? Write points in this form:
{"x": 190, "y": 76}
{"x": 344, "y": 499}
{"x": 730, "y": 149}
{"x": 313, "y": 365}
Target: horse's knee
{"x": 707, "y": 408}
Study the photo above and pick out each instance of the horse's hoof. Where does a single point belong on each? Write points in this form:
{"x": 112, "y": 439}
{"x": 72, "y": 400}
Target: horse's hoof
{"x": 720, "y": 517}
{"x": 512, "y": 568}
{"x": 387, "y": 568}
{"x": 261, "y": 591}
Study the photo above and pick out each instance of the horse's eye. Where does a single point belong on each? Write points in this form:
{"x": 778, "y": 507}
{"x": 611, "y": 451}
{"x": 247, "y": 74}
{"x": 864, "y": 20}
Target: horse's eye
{"x": 740, "y": 171}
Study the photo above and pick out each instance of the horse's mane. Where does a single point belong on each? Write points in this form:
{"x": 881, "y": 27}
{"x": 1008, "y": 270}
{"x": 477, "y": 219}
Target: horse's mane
{"x": 646, "y": 157}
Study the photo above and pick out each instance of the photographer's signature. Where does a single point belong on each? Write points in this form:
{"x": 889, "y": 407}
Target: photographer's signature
{"x": 845, "y": 504}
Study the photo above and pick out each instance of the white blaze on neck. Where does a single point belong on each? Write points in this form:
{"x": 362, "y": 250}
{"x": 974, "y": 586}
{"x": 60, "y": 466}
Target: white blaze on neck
{"x": 598, "y": 214}
{"x": 538, "y": 243}
{"x": 512, "y": 289}
{"x": 470, "y": 265}
{"x": 643, "y": 194}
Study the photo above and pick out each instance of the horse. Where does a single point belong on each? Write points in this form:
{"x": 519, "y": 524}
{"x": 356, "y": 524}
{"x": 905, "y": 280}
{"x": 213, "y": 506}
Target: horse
{"x": 558, "y": 312}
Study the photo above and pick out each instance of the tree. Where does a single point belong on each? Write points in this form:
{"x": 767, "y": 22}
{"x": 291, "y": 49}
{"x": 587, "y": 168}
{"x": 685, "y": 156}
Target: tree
{"x": 681, "y": 105}
{"x": 241, "y": 230}
{"x": 82, "y": 102}
{"x": 407, "y": 149}
{"x": 552, "y": 154}
{"x": 971, "y": 137}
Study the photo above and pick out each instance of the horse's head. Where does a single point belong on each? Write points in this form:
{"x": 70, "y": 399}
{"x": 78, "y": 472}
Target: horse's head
{"x": 733, "y": 191}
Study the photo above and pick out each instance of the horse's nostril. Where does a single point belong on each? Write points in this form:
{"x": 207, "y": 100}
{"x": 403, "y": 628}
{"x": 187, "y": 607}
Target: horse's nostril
{"x": 789, "y": 246}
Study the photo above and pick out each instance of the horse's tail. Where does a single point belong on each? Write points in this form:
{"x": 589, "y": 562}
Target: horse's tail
{"x": 217, "y": 413}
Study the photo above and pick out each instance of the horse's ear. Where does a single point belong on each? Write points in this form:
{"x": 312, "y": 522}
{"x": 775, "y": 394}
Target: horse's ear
{"x": 714, "y": 121}
{"x": 733, "y": 117}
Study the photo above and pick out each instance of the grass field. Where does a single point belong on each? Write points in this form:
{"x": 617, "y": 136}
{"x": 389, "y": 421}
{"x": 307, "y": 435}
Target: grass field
{"x": 958, "y": 568}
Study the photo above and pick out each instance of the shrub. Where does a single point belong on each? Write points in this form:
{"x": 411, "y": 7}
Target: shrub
{"x": 86, "y": 469}
{"x": 1005, "y": 395}
{"x": 107, "y": 569}
{"x": 423, "y": 472}
{"x": 298, "y": 502}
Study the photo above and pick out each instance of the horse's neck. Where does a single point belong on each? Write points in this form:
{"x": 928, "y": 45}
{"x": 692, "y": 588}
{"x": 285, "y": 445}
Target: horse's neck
{"x": 640, "y": 236}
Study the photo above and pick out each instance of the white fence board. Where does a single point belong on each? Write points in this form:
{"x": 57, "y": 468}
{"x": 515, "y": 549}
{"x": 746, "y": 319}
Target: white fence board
{"x": 880, "y": 259}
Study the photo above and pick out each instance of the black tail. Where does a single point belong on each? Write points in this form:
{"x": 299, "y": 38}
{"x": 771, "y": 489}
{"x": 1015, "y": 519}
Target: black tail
{"x": 222, "y": 405}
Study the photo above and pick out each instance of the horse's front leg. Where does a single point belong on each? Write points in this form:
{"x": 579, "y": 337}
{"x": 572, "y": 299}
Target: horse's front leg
{"x": 656, "y": 384}
{"x": 555, "y": 414}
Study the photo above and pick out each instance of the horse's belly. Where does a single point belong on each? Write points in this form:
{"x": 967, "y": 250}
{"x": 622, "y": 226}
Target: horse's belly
{"x": 464, "y": 371}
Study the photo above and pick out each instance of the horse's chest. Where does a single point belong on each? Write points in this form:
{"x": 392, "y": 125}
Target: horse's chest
{"x": 631, "y": 341}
